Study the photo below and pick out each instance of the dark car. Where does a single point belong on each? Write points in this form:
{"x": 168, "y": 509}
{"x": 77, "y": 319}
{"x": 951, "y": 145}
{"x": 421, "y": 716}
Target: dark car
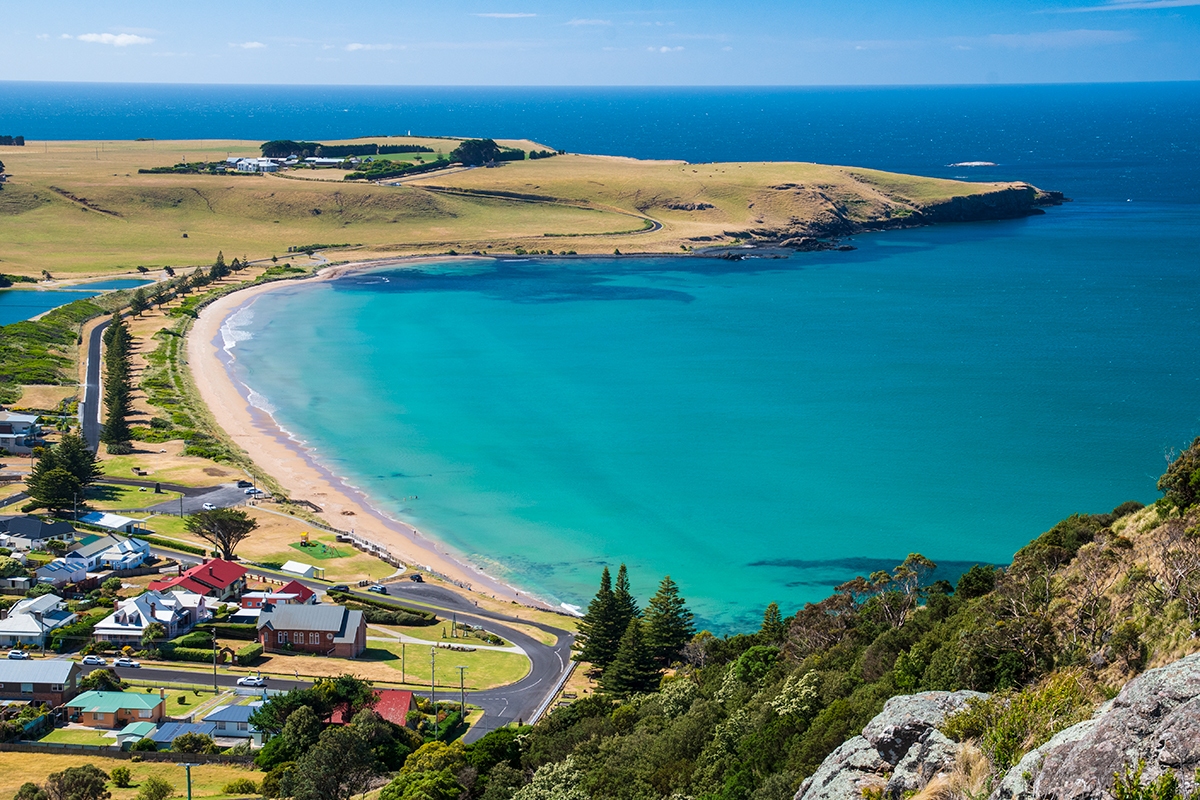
{"x": 341, "y": 587}
{"x": 244, "y": 484}
{"x": 377, "y": 589}
{"x": 416, "y": 576}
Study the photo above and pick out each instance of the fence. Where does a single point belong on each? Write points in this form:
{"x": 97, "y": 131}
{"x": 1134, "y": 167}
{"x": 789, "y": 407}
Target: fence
{"x": 114, "y": 752}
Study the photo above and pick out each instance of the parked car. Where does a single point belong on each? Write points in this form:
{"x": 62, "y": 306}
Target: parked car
{"x": 244, "y": 484}
{"x": 252, "y": 680}
{"x": 416, "y": 578}
{"x": 125, "y": 662}
{"x": 18, "y": 654}
{"x": 210, "y": 507}
{"x": 254, "y": 491}
{"x": 377, "y": 589}
{"x": 94, "y": 660}
{"x": 341, "y": 587}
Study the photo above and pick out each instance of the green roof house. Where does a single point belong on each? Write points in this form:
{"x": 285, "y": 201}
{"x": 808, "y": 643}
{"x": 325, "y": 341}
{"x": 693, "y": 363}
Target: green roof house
{"x": 117, "y": 709}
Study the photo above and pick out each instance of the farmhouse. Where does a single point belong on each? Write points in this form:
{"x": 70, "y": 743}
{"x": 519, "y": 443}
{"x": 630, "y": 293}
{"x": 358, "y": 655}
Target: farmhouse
{"x": 329, "y": 630}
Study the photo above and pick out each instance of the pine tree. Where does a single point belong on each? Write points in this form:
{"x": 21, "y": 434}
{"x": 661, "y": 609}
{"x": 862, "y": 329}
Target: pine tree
{"x": 772, "y": 629}
{"x": 632, "y": 669}
{"x": 138, "y": 302}
{"x": 73, "y": 455}
{"x": 116, "y": 383}
{"x": 219, "y": 270}
{"x": 624, "y": 603}
{"x": 598, "y": 633}
{"x": 668, "y": 623}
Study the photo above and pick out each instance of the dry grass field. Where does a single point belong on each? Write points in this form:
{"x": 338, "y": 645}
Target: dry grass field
{"x": 207, "y": 780}
{"x": 81, "y": 208}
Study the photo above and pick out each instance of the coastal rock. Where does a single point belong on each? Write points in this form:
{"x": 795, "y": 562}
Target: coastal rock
{"x": 1155, "y": 719}
{"x": 900, "y": 749}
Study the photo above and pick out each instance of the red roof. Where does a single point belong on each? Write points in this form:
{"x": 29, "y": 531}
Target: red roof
{"x": 212, "y": 576}
{"x": 302, "y": 592}
{"x": 393, "y": 705}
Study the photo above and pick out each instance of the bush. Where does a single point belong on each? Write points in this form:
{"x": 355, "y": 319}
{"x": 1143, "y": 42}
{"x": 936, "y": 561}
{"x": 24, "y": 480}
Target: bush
{"x": 146, "y": 745}
{"x": 193, "y": 654}
{"x": 249, "y": 654}
{"x": 230, "y": 630}
{"x": 173, "y": 545}
{"x": 193, "y": 639}
{"x": 120, "y": 777}
{"x": 241, "y": 786}
{"x": 155, "y": 788}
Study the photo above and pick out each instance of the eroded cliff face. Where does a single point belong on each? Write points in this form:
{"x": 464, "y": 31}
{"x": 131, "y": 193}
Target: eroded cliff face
{"x": 1155, "y": 720}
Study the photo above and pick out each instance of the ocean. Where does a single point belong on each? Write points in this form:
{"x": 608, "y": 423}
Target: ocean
{"x": 759, "y": 430}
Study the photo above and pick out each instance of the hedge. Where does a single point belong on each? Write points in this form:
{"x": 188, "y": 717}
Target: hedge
{"x": 369, "y": 605}
{"x": 232, "y": 630}
{"x": 173, "y": 545}
{"x": 171, "y": 653}
{"x": 81, "y": 630}
{"x": 193, "y": 639}
{"x": 247, "y": 655}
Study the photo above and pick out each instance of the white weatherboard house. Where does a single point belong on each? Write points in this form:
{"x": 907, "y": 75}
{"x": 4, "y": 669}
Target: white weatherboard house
{"x": 31, "y": 619}
{"x": 109, "y": 552}
{"x": 19, "y": 433}
{"x": 113, "y": 522}
{"x": 32, "y": 533}
{"x": 178, "y": 612}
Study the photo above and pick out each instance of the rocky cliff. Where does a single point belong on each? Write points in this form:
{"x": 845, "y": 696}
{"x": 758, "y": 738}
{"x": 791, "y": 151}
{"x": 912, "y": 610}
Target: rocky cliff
{"x": 1154, "y": 720}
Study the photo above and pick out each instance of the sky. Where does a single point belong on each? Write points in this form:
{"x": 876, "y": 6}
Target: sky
{"x": 603, "y": 42}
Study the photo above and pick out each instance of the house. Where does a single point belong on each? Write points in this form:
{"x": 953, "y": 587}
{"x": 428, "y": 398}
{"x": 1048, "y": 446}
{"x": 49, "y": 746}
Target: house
{"x": 178, "y": 612}
{"x": 109, "y": 551}
{"x": 115, "y": 710}
{"x": 294, "y": 593}
{"x": 218, "y": 579}
{"x": 20, "y": 433}
{"x": 392, "y": 704}
{"x": 52, "y": 682}
{"x": 303, "y": 570}
{"x": 234, "y": 721}
{"x": 60, "y": 572}
{"x": 330, "y": 630}
{"x": 113, "y": 522}
{"x": 31, "y": 619}
{"x": 166, "y": 733}
{"x": 32, "y": 533}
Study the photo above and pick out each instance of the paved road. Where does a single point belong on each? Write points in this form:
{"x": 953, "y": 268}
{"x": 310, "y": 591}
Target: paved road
{"x": 89, "y": 409}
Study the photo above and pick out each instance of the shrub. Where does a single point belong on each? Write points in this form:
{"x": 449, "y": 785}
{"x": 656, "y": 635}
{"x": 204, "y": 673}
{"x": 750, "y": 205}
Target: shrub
{"x": 120, "y": 777}
{"x": 146, "y": 745}
{"x": 194, "y": 639}
{"x": 249, "y": 654}
{"x": 241, "y": 786}
{"x": 155, "y": 788}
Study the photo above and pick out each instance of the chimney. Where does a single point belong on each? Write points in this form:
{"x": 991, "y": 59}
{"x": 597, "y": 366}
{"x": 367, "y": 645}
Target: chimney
{"x": 210, "y": 569}
{"x": 151, "y": 610}
{"x": 162, "y": 693}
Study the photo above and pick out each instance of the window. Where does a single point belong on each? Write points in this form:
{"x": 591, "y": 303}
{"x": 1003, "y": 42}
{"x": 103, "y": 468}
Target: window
{"x": 314, "y": 638}
{"x": 144, "y": 713}
{"x": 99, "y": 715}
{"x": 241, "y": 726}
{"x": 26, "y": 688}
{"x": 56, "y": 687}
{"x": 283, "y": 637}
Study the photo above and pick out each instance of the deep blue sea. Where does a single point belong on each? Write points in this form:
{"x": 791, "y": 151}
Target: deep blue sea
{"x": 760, "y": 430}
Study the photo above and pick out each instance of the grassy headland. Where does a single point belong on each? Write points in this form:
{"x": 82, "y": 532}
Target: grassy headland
{"x": 76, "y": 208}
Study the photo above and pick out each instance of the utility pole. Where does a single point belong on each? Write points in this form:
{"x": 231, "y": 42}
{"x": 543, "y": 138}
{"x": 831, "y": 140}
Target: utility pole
{"x": 214, "y": 662}
{"x": 433, "y": 687}
{"x": 462, "y": 692}
{"x": 403, "y": 676}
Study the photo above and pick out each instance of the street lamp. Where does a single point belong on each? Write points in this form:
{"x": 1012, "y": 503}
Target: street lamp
{"x": 188, "y": 767}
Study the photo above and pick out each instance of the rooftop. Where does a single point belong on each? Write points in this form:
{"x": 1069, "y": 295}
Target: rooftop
{"x": 111, "y": 702}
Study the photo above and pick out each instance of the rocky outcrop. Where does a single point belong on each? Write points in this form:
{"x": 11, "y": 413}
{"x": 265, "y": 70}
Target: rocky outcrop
{"x": 900, "y": 749}
{"x": 1155, "y": 719}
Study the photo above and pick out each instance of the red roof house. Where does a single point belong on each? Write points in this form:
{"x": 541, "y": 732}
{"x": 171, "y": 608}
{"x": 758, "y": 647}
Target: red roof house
{"x": 393, "y": 705}
{"x": 217, "y": 578}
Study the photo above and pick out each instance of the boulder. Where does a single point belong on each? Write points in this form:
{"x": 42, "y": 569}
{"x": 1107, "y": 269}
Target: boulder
{"x": 900, "y": 748}
{"x": 1155, "y": 719}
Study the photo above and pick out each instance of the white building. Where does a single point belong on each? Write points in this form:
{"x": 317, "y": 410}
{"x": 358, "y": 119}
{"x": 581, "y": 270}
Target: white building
{"x": 109, "y": 552}
{"x": 30, "y": 620}
{"x": 19, "y": 433}
{"x": 178, "y": 612}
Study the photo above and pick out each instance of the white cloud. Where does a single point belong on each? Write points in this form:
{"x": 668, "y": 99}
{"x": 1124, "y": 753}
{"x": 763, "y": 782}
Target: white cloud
{"x": 115, "y": 39}
{"x": 497, "y": 15}
{"x": 358, "y": 46}
{"x": 590, "y": 22}
{"x": 43, "y": 36}
{"x": 665, "y": 49}
{"x": 1055, "y": 40}
{"x": 247, "y": 45}
{"x": 1134, "y": 5}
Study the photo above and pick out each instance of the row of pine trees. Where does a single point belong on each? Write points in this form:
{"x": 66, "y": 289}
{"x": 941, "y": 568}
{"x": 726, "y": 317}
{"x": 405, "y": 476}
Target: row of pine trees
{"x": 118, "y": 386}
{"x": 632, "y": 647}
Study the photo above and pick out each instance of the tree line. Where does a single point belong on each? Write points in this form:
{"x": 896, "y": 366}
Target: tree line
{"x": 12, "y": 141}
{"x": 282, "y": 148}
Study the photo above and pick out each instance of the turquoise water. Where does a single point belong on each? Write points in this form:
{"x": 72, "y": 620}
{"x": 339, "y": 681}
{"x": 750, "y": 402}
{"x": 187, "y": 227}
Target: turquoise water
{"x": 760, "y": 430}
{"x": 21, "y": 304}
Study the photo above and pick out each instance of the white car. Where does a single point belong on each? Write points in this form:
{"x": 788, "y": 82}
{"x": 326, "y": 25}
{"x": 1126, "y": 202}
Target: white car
{"x": 252, "y": 680}
{"x": 18, "y": 654}
{"x": 210, "y": 507}
{"x": 253, "y": 492}
{"x": 94, "y": 660}
{"x": 125, "y": 662}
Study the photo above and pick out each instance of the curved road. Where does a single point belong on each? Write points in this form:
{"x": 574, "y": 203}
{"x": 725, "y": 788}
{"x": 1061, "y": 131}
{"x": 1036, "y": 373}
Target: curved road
{"x": 89, "y": 409}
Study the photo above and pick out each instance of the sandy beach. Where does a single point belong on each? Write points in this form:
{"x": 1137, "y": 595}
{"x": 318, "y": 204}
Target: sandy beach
{"x": 295, "y": 469}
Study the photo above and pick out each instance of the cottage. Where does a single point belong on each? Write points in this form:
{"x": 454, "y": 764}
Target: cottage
{"x": 329, "y": 630}
{"x": 294, "y": 593}
{"x": 393, "y": 705}
{"x": 218, "y": 579}
{"x": 20, "y": 433}
{"x": 109, "y": 552}
{"x": 178, "y": 612}
{"x": 60, "y": 572}
{"x": 31, "y": 619}
{"x": 113, "y": 522}
{"x": 234, "y": 721}
{"x": 33, "y": 533}
{"x": 115, "y": 710}
{"x": 50, "y": 682}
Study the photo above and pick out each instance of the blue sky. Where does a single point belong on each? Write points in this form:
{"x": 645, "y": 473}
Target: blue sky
{"x": 624, "y": 42}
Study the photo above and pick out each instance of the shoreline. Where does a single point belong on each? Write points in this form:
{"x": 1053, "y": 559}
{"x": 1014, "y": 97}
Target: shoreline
{"x": 297, "y": 469}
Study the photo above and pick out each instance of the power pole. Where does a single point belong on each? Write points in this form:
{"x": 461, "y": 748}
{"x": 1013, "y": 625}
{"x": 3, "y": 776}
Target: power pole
{"x": 433, "y": 687}
{"x": 462, "y": 692}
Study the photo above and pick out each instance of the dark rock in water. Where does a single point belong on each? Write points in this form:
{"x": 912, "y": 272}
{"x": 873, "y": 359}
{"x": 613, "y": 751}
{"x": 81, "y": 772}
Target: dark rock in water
{"x": 900, "y": 748}
{"x": 846, "y": 248}
{"x": 1155, "y": 719}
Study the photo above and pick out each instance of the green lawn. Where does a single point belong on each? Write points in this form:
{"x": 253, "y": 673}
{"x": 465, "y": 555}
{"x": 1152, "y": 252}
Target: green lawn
{"x": 105, "y": 496}
{"x": 485, "y": 668}
{"x": 319, "y": 551}
{"x": 76, "y": 736}
{"x": 432, "y": 633}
